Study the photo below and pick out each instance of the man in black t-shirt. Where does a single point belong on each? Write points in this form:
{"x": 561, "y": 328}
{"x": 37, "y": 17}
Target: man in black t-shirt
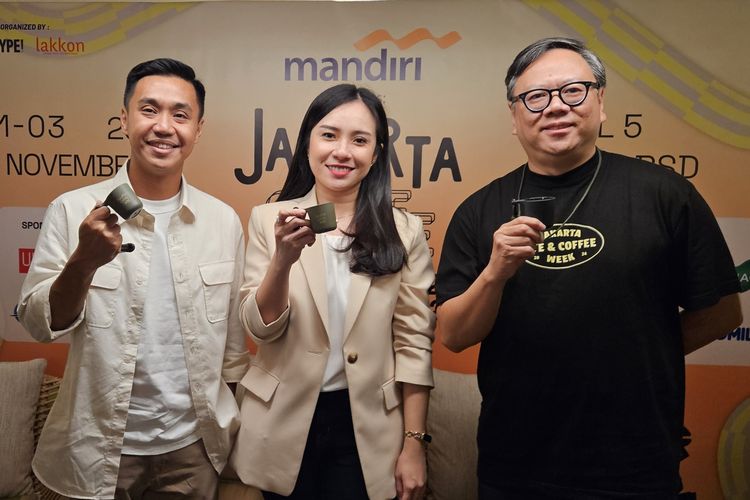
{"x": 584, "y": 323}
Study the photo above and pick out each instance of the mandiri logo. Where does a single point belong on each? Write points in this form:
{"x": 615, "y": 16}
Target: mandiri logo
{"x": 382, "y": 67}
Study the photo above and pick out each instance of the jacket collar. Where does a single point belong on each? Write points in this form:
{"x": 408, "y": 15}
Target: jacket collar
{"x": 186, "y": 211}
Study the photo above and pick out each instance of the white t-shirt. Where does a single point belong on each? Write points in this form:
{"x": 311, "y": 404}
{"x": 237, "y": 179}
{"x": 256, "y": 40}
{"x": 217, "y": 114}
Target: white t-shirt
{"x": 161, "y": 417}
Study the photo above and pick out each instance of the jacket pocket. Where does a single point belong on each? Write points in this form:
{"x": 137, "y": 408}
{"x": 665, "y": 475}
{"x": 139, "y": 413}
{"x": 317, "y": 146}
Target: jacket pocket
{"x": 391, "y": 394}
{"x": 261, "y": 383}
{"x": 217, "y": 280}
{"x": 101, "y": 297}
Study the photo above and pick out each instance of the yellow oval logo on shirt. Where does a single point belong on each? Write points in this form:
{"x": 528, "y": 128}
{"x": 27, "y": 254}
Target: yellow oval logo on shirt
{"x": 567, "y": 246}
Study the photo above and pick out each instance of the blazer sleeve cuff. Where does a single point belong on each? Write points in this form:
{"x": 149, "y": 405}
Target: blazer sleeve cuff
{"x": 414, "y": 366}
{"x": 259, "y": 331}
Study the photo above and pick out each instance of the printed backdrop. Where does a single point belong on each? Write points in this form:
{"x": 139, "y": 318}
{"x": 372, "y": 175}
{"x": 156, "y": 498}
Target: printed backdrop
{"x": 678, "y": 95}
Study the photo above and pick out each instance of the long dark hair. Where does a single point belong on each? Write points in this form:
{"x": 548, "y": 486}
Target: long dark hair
{"x": 376, "y": 247}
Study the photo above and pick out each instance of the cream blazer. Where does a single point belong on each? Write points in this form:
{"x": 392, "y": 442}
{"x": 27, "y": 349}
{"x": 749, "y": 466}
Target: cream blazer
{"x": 388, "y": 339}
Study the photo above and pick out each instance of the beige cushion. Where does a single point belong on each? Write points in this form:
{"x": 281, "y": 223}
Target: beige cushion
{"x": 19, "y": 393}
{"x": 452, "y": 421}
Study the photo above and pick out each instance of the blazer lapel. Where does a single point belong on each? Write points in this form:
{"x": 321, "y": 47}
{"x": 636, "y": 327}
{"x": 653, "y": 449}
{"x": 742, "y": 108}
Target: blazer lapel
{"x": 313, "y": 265}
{"x": 358, "y": 288}
{"x": 312, "y": 262}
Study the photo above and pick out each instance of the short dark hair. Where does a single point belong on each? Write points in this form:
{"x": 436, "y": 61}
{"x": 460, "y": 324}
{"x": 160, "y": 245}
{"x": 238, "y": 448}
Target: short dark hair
{"x": 527, "y": 56}
{"x": 164, "y": 67}
{"x": 376, "y": 246}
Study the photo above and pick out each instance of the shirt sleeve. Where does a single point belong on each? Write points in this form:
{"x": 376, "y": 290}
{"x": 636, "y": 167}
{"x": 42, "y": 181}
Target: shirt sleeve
{"x": 459, "y": 259}
{"x": 707, "y": 271}
{"x": 51, "y": 253}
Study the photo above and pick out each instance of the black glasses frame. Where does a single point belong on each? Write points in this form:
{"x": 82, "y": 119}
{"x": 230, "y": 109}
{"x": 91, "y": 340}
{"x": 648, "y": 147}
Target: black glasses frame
{"x": 522, "y": 96}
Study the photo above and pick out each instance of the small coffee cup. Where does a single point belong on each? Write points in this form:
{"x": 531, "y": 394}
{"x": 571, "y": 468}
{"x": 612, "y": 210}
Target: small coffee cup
{"x": 124, "y": 201}
{"x": 539, "y": 207}
{"x": 322, "y": 217}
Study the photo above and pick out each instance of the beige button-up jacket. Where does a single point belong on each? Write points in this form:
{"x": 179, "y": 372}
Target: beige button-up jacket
{"x": 79, "y": 450}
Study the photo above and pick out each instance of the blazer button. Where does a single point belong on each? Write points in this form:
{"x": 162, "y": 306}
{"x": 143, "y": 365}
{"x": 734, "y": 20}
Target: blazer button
{"x": 352, "y": 357}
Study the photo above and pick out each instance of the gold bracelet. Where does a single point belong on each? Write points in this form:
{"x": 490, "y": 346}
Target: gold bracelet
{"x": 420, "y": 436}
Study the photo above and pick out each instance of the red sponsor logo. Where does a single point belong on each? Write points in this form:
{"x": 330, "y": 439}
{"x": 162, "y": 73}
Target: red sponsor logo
{"x": 24, "y": 259}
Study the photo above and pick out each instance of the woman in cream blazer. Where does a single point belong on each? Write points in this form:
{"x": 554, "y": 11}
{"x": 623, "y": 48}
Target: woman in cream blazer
{"x": 343, "y": 367}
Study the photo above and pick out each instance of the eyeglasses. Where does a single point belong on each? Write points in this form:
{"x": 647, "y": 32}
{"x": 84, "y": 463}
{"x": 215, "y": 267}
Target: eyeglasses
{"x": 573, "y": 94}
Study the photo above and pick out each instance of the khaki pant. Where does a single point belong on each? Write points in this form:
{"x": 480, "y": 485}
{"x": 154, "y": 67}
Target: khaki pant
{"x": 183, "y": 473}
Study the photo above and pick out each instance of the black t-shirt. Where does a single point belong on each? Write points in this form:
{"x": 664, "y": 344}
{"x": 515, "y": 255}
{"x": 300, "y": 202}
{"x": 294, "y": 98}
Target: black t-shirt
{"x": 582, "y": 376}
